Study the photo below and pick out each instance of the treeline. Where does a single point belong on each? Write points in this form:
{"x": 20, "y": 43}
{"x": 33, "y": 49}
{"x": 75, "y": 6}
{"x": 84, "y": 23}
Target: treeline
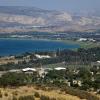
{"x": 80, "y": 57}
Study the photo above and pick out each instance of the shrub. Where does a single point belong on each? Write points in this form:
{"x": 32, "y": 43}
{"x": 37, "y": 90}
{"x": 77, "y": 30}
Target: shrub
{"x": 15, "y": 93}
{"x": 36, "y": 94}
{"x": 14, "y": 98}
{"x": 29, "y": 97}
{"x": 0, "y": 94}
{"x": 54, "y": 99}
{"x": 6, "y": 94}
{"x": 12, "y": 79}
{"x": 26, "y": 90}
{"x": 44, "y": 97}
{"x": 81, "y": 94}
{"x": 98, "y": 92}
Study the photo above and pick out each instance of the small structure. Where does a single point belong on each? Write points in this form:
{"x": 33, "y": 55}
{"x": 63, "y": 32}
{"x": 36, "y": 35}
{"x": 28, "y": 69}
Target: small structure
{"x": 60, "y": 68}
{"x": 42, "y": 56}
{"x": 29, "y": 70}
{"x": 82, "y": 39}
{"x": 98, "y": 62}
{"x": 77, "y": 82}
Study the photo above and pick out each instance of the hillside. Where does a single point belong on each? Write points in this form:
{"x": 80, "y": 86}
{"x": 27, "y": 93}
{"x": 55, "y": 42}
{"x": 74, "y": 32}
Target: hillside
{"x": 14, "y": 18}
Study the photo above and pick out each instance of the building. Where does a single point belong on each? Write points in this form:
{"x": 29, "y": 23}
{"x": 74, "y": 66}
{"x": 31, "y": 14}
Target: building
{"x": 29, "y": 70}
{"x": 77, "y": 82}
{"x": 60, "y": 68}
{"x": 42, "y": 56}
{"x": 82, "y": 39}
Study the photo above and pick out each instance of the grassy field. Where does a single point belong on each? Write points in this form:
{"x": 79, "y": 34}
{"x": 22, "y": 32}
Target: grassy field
{"x": 8, "y": 93}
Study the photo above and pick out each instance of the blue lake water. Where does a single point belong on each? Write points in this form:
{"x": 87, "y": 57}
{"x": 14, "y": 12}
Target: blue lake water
{"x": 18, "y": 46}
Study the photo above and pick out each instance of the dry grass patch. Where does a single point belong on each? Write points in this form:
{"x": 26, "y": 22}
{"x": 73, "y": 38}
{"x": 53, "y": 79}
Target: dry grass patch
{"x": 55, "y": 94}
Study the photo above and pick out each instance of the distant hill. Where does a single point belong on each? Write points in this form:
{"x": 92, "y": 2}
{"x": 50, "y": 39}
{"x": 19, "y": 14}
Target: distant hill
{"x": 16, "y": 18}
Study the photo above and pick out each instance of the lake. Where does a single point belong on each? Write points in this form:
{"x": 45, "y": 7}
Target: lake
{"x": 18, "y": 46}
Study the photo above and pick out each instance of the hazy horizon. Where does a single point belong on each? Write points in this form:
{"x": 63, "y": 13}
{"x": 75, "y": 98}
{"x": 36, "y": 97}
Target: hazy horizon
{"x": 65, "y": 5}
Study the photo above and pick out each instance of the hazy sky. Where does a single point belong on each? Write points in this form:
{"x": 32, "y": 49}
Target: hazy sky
{"x": 68, "y": 5}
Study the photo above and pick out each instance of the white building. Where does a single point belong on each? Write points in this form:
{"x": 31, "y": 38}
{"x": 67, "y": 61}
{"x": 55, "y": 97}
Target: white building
{"x": 98, "y": 61}
{"x": 92, "y": 40}
{"x": 60, "y": 68}
{"x": 29, "y": 70}
{"x": 82, "y": 39}
{"x": 42, "y": 56}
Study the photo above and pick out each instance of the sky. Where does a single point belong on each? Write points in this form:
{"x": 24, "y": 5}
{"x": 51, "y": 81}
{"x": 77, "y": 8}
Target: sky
{"x": 65, "y": 5}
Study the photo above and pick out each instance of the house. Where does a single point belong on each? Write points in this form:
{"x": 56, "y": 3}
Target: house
{"x": 29, "y": 70}
{"x": 60, "y": 68}
{"x": 42, "y": 56}
{"x": 82, "y": 39}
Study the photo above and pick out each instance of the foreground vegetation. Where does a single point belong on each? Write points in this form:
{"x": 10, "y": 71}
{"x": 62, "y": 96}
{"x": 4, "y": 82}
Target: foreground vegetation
{"x": 80, "y": 81}
{"x": 54, "y": 82}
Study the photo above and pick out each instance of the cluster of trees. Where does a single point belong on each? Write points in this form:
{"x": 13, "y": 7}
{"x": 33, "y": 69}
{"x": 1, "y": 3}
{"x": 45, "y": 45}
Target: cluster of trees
{"x": 12, "y": 79}
{"x": 84, "y": 75}
{"x": 17, "y": 79}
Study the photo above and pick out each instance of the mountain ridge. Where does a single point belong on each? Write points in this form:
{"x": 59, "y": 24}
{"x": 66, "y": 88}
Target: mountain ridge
{"x": 16, "y": 18}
